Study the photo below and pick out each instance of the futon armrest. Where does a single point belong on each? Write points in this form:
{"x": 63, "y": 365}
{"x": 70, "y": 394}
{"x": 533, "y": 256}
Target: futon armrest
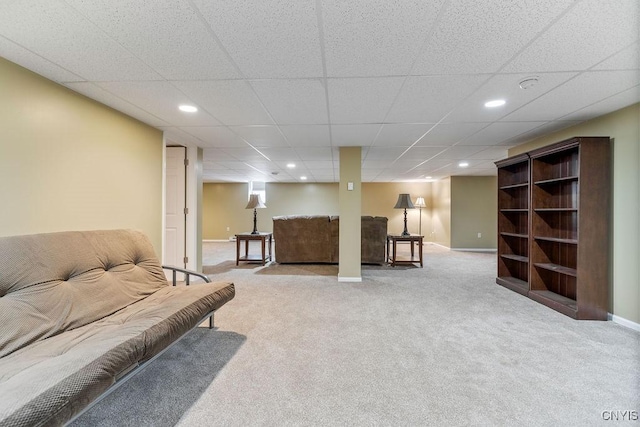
{"x": 188, "y": 273}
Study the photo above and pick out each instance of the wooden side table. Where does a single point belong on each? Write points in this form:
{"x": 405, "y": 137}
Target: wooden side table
{"x": 246, "y": 237}
{"x": 392, "y": 241}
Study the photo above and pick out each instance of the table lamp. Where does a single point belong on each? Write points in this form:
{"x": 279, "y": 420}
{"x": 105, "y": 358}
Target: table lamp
{"x": 404, "y": 202}
{"x": 255, "y": 203}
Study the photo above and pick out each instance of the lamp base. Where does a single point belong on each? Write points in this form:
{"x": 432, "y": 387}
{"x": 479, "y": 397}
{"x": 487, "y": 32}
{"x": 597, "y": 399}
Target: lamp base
{"x": 255, "y": 222}
{"x": 405, "y": 232}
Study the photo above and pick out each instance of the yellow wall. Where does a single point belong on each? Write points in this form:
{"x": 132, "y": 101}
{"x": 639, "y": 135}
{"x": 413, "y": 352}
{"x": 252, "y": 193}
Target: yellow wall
{"x": 474, "y": 201}
{"x": 70, "y": 163}
{"x": 623, "y": 127}
{"x": 440, "y": 231}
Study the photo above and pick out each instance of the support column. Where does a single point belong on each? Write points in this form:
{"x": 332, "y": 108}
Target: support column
{"x": 350, "y": 205}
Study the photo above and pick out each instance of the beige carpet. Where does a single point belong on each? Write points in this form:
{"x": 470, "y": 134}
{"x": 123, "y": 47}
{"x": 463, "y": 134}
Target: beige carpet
{"x": 441, "y": 345}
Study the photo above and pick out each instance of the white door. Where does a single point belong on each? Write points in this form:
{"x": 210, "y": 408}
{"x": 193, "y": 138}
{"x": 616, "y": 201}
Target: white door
{"x": 175, "y": 209}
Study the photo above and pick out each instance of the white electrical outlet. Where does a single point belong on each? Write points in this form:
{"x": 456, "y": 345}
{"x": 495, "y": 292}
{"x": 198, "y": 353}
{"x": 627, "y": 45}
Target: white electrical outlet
{"x": 479, "y": 235}
{"x": 228, "y": 229}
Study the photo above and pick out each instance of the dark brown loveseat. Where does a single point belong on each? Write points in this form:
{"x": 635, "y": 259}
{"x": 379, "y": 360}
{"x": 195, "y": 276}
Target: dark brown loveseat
{"x": 315, "y": 239}
{"x": 79, "y": 312}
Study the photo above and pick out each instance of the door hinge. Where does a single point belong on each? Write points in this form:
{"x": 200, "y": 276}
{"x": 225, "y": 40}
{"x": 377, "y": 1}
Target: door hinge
{"x": 186, "y": 211}
{"x": 186, "y": 162}
{"x": 185, "y": 260}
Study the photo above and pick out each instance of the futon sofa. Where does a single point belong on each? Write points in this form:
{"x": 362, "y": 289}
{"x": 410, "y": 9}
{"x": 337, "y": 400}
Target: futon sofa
{"x": 316, "y": 239}
{"x": 80, "y": 312}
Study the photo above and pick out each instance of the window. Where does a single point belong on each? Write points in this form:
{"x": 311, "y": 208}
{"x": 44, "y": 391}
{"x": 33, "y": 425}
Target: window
{"x": 258, "y": 187}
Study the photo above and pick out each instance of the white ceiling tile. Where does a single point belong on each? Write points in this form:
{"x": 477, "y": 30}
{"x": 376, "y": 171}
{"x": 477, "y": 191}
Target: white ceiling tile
{"x": 176, "y": 136}
{"x": 612, "y": 103}
{"x": 281, "y": 153}
{"x": 626, "y": 59}
{"x": 375, "y": 37}
{"x": 245, "y": 154}
{"x": 300, "y": 101}
{"x": 445, "y": 134}
{"x": 215, "y": 136}
{"x": 307, "y": 135}
{"x": 129, "y": 107}
{"x": 498, "y": 132}
{"x": 233, "y": 102}
{"x": 584, "y": 90}
{"x": 34, "y": 62}
{"x": 216, "y": 155}
{"x": 422, "y": 153}
{"x": 384, "y": 153}
{"x": 507, "y": 87}
{"x": 160, "y": 99}
{"x": 167, "y": 35}
{"x": 261, "y": 136}
{"x": 480, "y": 36}
{"x": 544, "y": 129}
{"x": 459, "y": 152}
{"x": 490, "y": 153}
{"x": 362, "y": 100}
{"x": 589, "y": 32}
{"x": 318, "y": 164}
{"x": 377, "y": 164}
{"x": 401, "y": 134}
{"x": 70, "y": 41}
{"x": 276, "y": 38}
{"x": 416, "y": 102}
{"x": 353, "y": 135}
{"x": 315, "y": 153}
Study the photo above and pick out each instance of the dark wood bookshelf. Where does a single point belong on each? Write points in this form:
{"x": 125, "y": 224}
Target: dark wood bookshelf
{"x": 553, "y": 226}
{"x": 513, "y": 223}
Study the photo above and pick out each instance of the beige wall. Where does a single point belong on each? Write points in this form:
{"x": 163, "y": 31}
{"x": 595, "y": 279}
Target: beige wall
{"x": 623, "y": 127}
{"x": 378, "y": 199}
{"x": 440, "y": 231}
{"x": 223, "y": 206}
{"x": 350, "y": 203}
{"x": 69, "y": 163}
{"x": 474, "y": 201}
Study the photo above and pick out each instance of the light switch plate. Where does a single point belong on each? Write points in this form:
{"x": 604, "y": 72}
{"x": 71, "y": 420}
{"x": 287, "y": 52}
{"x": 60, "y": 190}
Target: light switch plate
{"x": 349, "y": 186}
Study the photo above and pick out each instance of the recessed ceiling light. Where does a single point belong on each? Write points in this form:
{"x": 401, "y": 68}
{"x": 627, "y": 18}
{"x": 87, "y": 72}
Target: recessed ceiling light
{"x": 291, "y": 165}
{"x": 495, "y": 103}
{"x": 188, "y": 108}
{"x": 304, "y": 178}
{"x": 463, "y": 164}
{"x": 427, "y": 177}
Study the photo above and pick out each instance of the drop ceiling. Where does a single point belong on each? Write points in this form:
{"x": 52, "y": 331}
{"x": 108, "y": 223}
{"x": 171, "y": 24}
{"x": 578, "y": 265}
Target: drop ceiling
{"x": 291, "y": 81}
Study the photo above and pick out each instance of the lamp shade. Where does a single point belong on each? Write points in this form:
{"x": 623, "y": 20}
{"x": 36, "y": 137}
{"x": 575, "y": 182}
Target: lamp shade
{"x": 404, "y": 202}
{"x": 419, "y": 202}
{"x": 255, "y": 202}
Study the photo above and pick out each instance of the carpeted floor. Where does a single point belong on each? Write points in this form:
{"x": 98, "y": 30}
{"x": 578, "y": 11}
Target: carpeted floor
{"x": 441, "y": 345}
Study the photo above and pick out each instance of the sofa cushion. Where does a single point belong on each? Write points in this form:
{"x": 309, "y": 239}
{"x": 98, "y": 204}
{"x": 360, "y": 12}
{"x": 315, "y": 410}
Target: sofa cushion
{"x": 52, "y": 379}
{"x": 57, "y": 282}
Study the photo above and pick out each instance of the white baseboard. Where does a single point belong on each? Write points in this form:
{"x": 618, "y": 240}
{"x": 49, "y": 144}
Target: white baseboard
{"x": 474, "y": 249}
{"x": 217, "y": 241}
{"x": 624, "y": 322}
{"x": 349, "y": 279}
{"x": 437, "y": 244}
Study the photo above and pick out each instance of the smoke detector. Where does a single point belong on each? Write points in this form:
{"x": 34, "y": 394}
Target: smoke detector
{"x": 529, "y": 82}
